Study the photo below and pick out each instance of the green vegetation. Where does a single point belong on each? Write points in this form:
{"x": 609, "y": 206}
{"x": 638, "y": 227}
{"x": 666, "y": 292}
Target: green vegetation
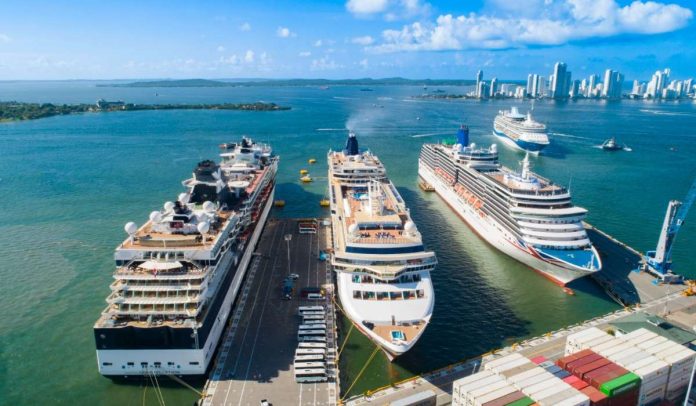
{"x": 292, "y": 82}
{"x": 16, "y": 111}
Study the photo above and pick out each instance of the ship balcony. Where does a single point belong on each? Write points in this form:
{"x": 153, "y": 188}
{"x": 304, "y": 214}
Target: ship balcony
{"x": 117, "y": 298}
{"x": 121, "y": 285}
{"x": 556, "y": 244}
{"x": 138, "y": 273}
{"x": 555, "y": 235}
{"x": 115, "y": 310}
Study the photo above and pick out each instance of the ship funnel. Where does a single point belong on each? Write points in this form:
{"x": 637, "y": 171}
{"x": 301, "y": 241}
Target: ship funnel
{"x": 463, "y": 136}
{"x": 352, "y": 145}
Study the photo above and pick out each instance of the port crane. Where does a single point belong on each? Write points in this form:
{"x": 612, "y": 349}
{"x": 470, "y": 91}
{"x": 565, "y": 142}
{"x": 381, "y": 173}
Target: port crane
{"x": 659, "y": 261}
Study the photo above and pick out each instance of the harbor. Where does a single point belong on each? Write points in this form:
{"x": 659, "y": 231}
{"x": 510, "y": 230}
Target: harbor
{"x": 255, "y": 356}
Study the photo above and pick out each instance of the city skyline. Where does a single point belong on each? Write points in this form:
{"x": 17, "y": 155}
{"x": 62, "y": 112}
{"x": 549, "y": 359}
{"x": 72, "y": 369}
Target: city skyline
{"x": 343, "y": 39}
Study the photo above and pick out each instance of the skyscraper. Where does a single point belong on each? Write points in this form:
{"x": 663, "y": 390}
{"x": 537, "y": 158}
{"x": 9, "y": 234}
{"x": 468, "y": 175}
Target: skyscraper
{"x": 607, "y": 87}
{"x": 575, "y": 89}
{"x": 559, "y": 85}
{"x": 591, "y": 85}
{"x": 479, "y": 78}
{"x": 530, "y": 85}
{"x": 494, "y": 87}
{"x": 535, "y": 86}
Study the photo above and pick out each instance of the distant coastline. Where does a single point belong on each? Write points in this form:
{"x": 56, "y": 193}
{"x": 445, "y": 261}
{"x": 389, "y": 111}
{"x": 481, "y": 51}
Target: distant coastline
{"x": 17, "y": 111}
{"x": 290, "y": 82}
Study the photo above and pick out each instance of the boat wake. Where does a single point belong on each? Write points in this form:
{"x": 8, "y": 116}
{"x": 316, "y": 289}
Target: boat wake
{"x": 429, "y": 134}
{"x": 627, "y": 149}
{"x": 569, "y": 136}
{"x": 330, "y": 129}
{"x": 665, "y": 113}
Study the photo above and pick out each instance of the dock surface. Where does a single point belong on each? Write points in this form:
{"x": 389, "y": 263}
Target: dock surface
{"x": 255, "y": 357}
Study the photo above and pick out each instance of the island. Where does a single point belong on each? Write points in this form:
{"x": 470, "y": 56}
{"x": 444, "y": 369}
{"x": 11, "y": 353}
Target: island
{"x": 18, "y": 111}
{"x": 364, "y": 82}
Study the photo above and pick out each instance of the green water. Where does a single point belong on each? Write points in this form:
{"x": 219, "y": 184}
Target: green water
{"x": 69, "y": 184}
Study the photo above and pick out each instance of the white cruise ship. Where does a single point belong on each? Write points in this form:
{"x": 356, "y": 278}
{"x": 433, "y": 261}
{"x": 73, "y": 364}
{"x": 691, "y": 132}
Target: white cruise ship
{"x": 382, "y": 268}
{"x": 520, "y": 131}
{"x": 520, "y": 213}
{"x": 178, "y": 274}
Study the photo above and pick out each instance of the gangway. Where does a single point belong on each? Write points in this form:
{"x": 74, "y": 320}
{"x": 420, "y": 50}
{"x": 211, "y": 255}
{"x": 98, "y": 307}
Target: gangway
{"x": 659, "y": 261}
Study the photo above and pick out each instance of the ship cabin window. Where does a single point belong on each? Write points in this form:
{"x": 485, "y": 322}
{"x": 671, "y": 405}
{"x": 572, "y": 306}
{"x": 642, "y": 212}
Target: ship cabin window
{"x": 420, "y": 293}
{"x": 170, "y": 363}
{"x": 107, "y": 364}
{"x": 158, "y": 364}
{"x": 130, "y": 364}
{"x": 193, "y": 363}
{"x": 382, "y": 296}
{"x": 143, "y": 364}
{"x": 357, "y": 294}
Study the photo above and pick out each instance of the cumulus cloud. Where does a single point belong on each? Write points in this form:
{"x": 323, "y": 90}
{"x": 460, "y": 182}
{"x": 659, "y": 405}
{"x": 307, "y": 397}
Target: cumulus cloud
{"x": 249, "y": 56}
{"x": 220, "y": 48}
{"x": 4, "y": 38}
{"x": 305, "y": 54}
{"x": 318, "y": 43}
{"x": 245, "y": 27}
{"x": 364, "y": 41}
{"x": 363, "y": 64}
{"x": 391, "y": 9}
{"x": 571, "y": 20}
{"x": 324, "y": 63}
{"x": 284, "y": 32}
{"x": 367, "y": 6}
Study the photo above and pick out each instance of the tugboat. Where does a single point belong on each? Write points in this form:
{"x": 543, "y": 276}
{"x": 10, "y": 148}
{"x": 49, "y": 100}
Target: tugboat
{"x": 611, "y": 145}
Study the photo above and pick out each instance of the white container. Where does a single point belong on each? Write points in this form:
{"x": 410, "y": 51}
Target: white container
{"x": 476, "y": 393}
{"x": 597, "y": 341}
{"x": 462, "y": 391}
{"x": 577, "y": 341}
{"x": 625, "y": 353}
{"x": 682, "y": 359}
{"x": 460, "y": 386}
{"x": 497, "y": 369}
{"x": 632, "y": 358}
{"x": 578, "y": 400}
{"x": 546, "y": 392}
{"x": 641, "y": 332}
{"x": 607, "y": 345}
{"x": 489, "y": 397}
{"x": 525, "y": 375}
{"x": 666, "y": 347}
{"x": 502, "y": 360}
{"x": 643, "y": 362}
{"x": 544, "y": 376}
{"x": 613, "y": 350}
{"x": 654, "y": 369}
{"x": 648, "y": 345}
{"x": 674, "y": 393}
{"x": 537, "y": 387}
{"x": 651, "y": 395}
{"x": 557, "y": 398}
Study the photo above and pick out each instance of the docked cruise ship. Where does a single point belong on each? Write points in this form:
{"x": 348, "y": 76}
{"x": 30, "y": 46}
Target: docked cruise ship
{"x": 520, "y": 213}
{"x": 178, "y": 274}
{"x": 520, "y": 131}
{"x": 382, "y": 268}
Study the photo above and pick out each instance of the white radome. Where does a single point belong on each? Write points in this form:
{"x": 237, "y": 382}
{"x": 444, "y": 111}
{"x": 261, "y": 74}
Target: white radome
{"x": 208, "y": 206}
{"x": 155, "y": 216}
{"x": 203, "y": 227}
{"x": 168, "y": 206}
{"x": 131, "y": 228}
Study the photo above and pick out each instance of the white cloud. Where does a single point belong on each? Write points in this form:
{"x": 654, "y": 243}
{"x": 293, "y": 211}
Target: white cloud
{"x": 365, "y": 40}
{"x": 318, "y": 43}
{"x": 305, "y": 54}
{"x": 220, "y": 48}
{"x": 4, "y": 38}
{"x": 577, "y": 20}
{"x": 284, "y": 32}
{"x": 245, "y": 27}
{"x": 364, "y": 63}
{"x": 249, "y": 56}
{"x": 324, "y": 63}
{"x": 230, "y": 60}
{"x": 365, "y": 7}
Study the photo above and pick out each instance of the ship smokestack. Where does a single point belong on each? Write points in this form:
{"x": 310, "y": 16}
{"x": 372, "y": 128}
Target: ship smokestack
{"x": 463, "y": 136}
{"x": 352, "y": 145}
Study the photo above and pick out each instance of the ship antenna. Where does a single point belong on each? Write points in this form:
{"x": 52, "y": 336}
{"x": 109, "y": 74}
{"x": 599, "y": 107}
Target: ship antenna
{"x": 525, "y": 166}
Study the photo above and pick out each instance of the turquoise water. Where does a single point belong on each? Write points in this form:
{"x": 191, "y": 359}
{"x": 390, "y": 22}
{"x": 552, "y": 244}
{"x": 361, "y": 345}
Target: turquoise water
{"x": 69, "y": 184}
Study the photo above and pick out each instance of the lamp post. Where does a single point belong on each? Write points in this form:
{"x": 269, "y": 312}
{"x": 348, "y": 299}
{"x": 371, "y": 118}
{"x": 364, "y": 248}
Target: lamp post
{"x": 288, "y": 237}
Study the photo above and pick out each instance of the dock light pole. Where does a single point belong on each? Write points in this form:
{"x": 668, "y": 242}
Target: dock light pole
{"x": 288, "y": 237}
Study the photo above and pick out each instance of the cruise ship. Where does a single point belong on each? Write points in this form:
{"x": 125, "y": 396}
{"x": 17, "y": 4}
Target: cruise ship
{"x": 520, "y": 213}
{"x": 520, "y": 131}
{"x": 178, "y": 274}
{"x": 382, "y": 268}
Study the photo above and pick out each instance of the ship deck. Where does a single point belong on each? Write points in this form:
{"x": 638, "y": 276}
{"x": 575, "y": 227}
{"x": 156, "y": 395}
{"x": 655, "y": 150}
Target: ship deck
{"x": 255, "y": 355}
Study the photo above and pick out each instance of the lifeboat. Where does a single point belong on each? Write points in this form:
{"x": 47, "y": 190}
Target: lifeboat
{"x": 324, "y": 203}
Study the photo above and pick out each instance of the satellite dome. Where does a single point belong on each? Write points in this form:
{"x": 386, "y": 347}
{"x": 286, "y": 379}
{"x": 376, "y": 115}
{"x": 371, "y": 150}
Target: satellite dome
{"x": 155, "y": 216}
{"x": 353, "y": 228}
{"x": 209, "y": 206}
{"x": 494, "y": 148}
{"x": 410, "y": 226}
{"x": 131, "y": 228}
{"x": 203, "y": 227}
{"x": 168, "y": 206}
{"x": 184, "y": 198}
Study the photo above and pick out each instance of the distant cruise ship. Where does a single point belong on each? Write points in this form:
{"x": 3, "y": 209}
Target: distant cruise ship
{"x": 520, "y": 213}
{"x": 383, "y": 270}
{"x": 177, "y": 275}
{"x": 520, "y": 131}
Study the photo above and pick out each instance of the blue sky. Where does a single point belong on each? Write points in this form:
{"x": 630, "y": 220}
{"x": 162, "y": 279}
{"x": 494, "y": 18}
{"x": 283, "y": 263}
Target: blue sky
{"x": 343, "y": 39}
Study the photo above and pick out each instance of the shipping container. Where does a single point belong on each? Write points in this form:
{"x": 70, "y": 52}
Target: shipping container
{"x": 666, "y": 348}
{"x": 582, "y": 361}
{"x": 507, "y": 373}
{"x": 605, "y": 346}
{"x": 553, "y": 369}
{"x": 546, "y": 364}
{"x": 473, "y": 378}
{"x": 647, "y": 345}
{"x": 617, "y": 386}
{"x": 538, "y": 360}
{"x": 491, "y": 396}
{"x": 544, "y": 393}
{"x": 502, "y": 360}
{"x": 598, "y": 379}
{"x": 682, "y": 359}
{"x": 579, "y": 399}
{"x": 539, "y": 386}
{"x": 585, "y": 335}
{"x": 654, "y": 369}
{"x": 584, "y": 369}
{"x": 562, "y": 396}
{"x": 641, "y": 332}
{"x": 579, "y": 384}
{"x": 596, "y": 397}
{"x": 643, "y": 362}
{"x": 475, "y": 393}
{"x": 533, "y": 380}
{"x": 562, "y": 362}
{"x": 562, "y": 373}
{"x": 631, "y": 358}
{"x": 506, "y": 400}
{"x": 626, "y": 353}
{"x": 525, "y": 401}
{"x": 525, "y": 375}
{"x": 498, "y": 368}
{"x": 613, "y": 350}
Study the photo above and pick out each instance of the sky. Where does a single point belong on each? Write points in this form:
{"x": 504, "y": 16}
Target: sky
{"x": 337, "y": 39}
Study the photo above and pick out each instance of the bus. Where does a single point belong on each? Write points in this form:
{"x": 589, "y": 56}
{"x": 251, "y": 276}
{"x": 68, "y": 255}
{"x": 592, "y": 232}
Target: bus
{"x": 312, "y": 345}
{"x": 312, "y": 317}
{"x": 309, "y": 365}
{"x": 303, "y": 309}
{"x": 320, "y": 339}
{"x": 308, "y": 333}
{"x": 310, "y": 375}
{"x": 310, "y": 351}
{"x": 309, "y": 358}
{"x": 312, "y": 326}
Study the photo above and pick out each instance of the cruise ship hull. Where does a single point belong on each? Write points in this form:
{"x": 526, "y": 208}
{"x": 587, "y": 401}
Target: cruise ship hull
{"x": 532, "y": 147}
{"x": 119, "y": 363}
{"x": 556, "y": 271}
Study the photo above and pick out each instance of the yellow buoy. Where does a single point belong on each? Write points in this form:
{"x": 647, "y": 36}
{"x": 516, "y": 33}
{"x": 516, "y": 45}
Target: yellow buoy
{"x": 324, "y": 203}
{"x": 279, "y": 203}
{"x": 303, "y": 172}
{"x": 306, "y": 179}
{"x": 312, "y": 161}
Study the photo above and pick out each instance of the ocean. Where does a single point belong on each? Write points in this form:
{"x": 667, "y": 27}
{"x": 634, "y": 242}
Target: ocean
{"x": 69, "y": 184}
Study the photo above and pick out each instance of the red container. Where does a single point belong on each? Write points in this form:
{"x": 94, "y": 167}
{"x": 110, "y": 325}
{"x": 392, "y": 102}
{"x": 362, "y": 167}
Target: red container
{"x": 572, "y": 357}
{"x": 583, "y": 370}
{"x": 579, "y": 385}
{"x": 598, "y": 380}
{"x": 571, "y": 379}
{"x": 570, "y": 367}
{"x": 597, "y": 398}
{"x": 538, "y": 360}
{"x": 629, "y": 398}
{"x": 599, "y": 371}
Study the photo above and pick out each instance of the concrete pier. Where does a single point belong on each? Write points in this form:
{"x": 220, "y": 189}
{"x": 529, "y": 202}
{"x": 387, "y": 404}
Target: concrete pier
{"x": 255, "y": 357}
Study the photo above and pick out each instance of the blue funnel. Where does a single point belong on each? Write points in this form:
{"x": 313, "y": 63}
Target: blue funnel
{"x": 352, "y": 145}
{"x": 463, "y": 136}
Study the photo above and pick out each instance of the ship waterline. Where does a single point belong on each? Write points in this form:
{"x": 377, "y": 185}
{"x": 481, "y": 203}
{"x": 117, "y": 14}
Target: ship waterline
{"x": 382, "y": 267}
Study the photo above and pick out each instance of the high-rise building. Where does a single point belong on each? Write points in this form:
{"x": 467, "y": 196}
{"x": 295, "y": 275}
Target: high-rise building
{"x": 542, "y": 87}
{"x": 535, "y": 87}
{"x": 560, "y": 81}
{"x": 591, "y": 85}
{"x": 530, "y": 84}
{"x": 479, "y": 78}
{"x": 494, "y": 87}
{"x": 575, "y": 89}
{"x": 607, "y": 83}
{"x": 482, "y": 90}
{"x": 636, "y": 88}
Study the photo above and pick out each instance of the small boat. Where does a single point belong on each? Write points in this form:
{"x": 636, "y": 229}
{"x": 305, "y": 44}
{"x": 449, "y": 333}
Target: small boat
{"x": 312, "y": 160}
{"x": 303, "y": 172}
{"x": 324, "y": 202}
{"x": 306, "y": 179}
{"x": 279, "y": 203}
{"x": 611, "y": 145}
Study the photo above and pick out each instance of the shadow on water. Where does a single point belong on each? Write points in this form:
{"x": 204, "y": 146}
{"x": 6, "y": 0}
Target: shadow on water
{"x": 466, "y": 317}
{"x": 299, "y": 202}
